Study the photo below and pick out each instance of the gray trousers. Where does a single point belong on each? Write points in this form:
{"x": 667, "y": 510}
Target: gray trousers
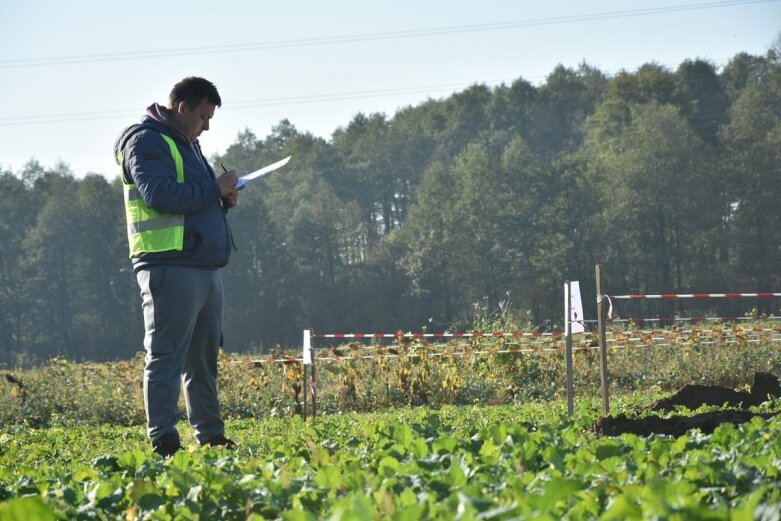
{"x": 183, "y": 327}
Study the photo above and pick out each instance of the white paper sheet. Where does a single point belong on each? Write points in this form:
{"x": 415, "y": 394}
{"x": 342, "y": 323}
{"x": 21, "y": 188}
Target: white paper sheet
{"x": 246, "y": 179}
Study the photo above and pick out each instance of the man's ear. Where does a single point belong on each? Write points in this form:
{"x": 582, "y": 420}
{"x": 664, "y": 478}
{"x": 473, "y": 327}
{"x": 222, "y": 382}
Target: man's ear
{"x": 182, "y": 107}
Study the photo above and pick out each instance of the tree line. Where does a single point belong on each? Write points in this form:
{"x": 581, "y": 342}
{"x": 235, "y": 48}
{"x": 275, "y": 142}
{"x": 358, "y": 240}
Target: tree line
{"x": 485, "y": 200}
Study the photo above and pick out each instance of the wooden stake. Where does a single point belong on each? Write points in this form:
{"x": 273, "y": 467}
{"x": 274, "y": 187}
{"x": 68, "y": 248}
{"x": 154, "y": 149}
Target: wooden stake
{"x": 303, "y": 412}
{"x": 314, "y": 389}
{"x": 602, "y": 314}
{"x": 568, "y": 351}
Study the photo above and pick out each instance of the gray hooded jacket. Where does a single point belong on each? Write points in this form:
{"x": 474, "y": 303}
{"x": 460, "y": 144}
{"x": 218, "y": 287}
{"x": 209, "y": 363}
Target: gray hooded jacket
{"x": 148, "y": 164}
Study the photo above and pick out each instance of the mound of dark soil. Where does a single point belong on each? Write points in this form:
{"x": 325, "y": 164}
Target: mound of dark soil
{"x": 765, "y": 386}
{"x": 693, "y": 396}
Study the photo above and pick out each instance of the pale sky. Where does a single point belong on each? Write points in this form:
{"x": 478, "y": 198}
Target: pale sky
{"x": 74, "y": 73}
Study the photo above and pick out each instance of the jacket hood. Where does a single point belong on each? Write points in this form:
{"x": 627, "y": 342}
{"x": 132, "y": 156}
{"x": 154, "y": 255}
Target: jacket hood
{"x": 162, "y": 115}
{"x": 157, "y": 118}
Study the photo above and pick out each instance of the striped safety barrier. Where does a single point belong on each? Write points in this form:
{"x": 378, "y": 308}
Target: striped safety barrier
{"x": 435, "y": 335}
{"x": 671, "y": 296}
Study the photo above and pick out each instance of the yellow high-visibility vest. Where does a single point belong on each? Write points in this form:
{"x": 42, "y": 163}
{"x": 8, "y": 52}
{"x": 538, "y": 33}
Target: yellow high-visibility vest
{"x": 148, "y": 230}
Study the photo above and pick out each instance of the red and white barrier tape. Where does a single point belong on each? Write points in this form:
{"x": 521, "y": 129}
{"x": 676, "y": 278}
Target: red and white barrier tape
{"x": 765, "y": 294}
{"x": 686, "y": 319}
{"x": 434, "y": 335}
{"x": 517, "y": 334}
{"x": 434, "y": 354}
{"x": 615, "y": 336}
{"x": 285, "y": 360}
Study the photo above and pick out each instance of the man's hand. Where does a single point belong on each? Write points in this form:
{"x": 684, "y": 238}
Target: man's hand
{"x": 227, "y": 183}
{"x": 231, "y": 199}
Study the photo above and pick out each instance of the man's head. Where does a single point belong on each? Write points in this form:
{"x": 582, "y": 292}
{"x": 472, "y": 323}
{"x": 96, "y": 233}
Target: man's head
{"x": 191, "y": 104}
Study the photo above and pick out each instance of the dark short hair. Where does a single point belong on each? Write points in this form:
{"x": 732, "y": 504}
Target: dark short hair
{"x": 193, "y": 90}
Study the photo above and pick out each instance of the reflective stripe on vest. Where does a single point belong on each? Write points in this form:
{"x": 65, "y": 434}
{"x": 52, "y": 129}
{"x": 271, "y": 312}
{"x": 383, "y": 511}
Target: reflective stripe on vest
{"x": 148, "y": 230}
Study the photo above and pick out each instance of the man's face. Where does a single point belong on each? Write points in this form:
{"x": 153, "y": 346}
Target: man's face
{"x": 195, "y": 120}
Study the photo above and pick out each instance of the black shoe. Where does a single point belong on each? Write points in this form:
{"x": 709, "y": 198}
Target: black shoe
{"x": 220, "y": 441}
{"x": 167, "y": 444}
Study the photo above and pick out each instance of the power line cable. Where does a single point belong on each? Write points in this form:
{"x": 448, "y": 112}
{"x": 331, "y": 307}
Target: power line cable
{"x": 264, "y": 102}
{"x": 270, "y": 102}
{"x": 390, "y": 35}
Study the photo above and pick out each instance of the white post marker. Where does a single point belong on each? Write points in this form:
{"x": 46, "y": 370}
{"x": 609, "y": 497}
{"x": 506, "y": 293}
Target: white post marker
{"x": 307, "y": 355}
{"x": 573, "y": 323}
{"x": 576, "y": 308}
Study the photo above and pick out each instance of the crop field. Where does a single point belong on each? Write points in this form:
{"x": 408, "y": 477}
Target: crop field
{"x": 474, "y": 438}
{"x": 503, "y": 462}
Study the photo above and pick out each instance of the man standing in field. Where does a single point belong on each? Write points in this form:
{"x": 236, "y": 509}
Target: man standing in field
{"x": 179, "y": 237}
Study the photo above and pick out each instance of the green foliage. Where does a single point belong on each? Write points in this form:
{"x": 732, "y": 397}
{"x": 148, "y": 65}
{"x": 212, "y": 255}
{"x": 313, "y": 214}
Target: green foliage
{"x": 506, "y": 462}
{"x": 65, "y": 393}
{"x": 752, "y": 139}
{"x": 668, "y": 178}
{"x": 658, "y": 159}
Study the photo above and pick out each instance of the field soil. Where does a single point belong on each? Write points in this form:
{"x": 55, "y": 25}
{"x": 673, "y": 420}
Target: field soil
{"x": 765, "y": 386}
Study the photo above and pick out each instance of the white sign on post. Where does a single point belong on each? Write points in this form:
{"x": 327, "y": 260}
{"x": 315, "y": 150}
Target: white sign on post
{"x": 307, "y": 354}
{"x": 576, "y": 307}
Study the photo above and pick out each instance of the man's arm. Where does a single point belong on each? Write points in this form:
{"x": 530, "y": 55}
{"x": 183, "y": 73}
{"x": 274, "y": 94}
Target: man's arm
{"x": 148, "y": 161}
